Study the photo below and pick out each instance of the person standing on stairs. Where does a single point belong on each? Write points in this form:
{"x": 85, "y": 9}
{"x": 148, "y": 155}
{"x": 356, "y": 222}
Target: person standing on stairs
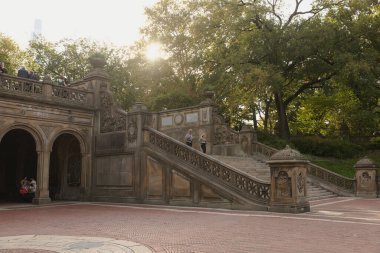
{"x": 203, "y": 142}
{"x": 189, "y": 138}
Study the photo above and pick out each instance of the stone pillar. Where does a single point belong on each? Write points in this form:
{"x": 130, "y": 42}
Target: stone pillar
{"x": 135, "y": 136}
{"x": 85, "y": 176}
{"x": 288, "y": 170}
{"x": 366, "y": 178}
{"x": 246, "y": 138}
{"x": 42, "y": 193}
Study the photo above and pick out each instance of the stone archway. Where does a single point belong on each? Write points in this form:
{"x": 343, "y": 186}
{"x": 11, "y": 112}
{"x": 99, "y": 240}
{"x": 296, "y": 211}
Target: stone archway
{"x": 18, "y": 159}
{"x": 65, "y": 171}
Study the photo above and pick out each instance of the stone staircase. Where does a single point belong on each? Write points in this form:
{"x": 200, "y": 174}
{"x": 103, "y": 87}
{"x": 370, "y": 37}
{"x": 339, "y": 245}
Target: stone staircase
{"x": 315, "y": 192}
{"x": 248, "y": 164}
{"x": 255, "y": 166}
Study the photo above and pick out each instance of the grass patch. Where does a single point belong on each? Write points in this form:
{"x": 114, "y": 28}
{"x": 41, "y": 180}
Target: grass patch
{"x": 344, "y": 167}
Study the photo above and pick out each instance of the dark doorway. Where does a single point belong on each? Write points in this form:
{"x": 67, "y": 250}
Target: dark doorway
{"x": 65, "y": 168}
{"x": 18, "y": 159}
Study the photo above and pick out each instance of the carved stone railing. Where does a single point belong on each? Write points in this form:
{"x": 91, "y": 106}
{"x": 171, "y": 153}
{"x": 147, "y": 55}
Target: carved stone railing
{"x": 245, "y": 185}
{"x": 344, "y": 183}
{"x": 20, "y": 85}
{"x": 69, "y": 94}
{"x": 261, "y": 148}
{"x": 45, "y": 91}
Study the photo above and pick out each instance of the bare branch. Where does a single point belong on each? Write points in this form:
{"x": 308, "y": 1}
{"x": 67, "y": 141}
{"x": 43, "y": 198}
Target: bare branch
{"x": 308, "y": 85}
{"x": 273, "y": 5}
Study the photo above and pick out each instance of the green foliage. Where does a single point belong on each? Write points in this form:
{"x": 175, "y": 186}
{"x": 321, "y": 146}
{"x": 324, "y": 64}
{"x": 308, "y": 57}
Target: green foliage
{"x": 11, "y": 54}
{"x": 272, "y": 140}
{"x": 326, "y": 147}
{"x": 345, "y": 167}
{"x": 256, "y": 56}
{"x": 69, "y": 58}
{"x": 171, "y": 100}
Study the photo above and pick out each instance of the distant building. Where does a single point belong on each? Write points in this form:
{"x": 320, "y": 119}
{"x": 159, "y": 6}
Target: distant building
{"x": 37, "y": 31}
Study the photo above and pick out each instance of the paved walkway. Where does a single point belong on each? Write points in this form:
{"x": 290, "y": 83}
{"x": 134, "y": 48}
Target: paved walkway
{"x": 346, "y": 225}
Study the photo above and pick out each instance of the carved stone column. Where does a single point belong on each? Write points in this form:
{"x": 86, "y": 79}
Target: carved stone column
{"x": 366, "y": 178}
{"x": 42, "y": 193}
{"x": 288, "y": 170}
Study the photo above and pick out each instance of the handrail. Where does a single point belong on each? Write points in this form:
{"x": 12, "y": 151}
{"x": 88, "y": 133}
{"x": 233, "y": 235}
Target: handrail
{"x": 29, "y": 87}
{"x": 261, "y": 148}
{"x": 251, "y": 188}
{"x": 347, "y": 184}
{"x": 343, "y": 182}
{"x": 20, "y": 85}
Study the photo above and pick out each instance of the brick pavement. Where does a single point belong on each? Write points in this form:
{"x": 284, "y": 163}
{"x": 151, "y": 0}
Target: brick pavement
{"x": 336, "y": 225}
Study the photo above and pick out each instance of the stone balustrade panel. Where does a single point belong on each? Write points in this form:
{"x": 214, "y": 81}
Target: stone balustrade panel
{"x": 252, "y": 189}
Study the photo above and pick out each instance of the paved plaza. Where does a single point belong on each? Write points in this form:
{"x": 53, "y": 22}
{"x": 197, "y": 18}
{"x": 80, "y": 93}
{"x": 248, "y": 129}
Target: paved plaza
{"x": 337, "y": 225}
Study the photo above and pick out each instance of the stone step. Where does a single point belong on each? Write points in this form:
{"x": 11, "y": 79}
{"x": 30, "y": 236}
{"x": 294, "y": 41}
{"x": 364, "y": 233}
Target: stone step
{"x": 259, "y": 169}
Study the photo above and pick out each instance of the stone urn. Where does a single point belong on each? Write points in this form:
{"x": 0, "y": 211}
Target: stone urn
{"x": 97, "y": 60}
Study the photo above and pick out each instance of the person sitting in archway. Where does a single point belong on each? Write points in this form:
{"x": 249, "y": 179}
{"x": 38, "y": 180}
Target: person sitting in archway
{"x": 32, "y": 185}
{"x": 24, "y": 187}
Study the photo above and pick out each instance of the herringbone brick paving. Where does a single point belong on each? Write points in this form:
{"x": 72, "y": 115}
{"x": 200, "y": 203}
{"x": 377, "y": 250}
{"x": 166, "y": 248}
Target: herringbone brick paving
{"x": 336, "y": 225}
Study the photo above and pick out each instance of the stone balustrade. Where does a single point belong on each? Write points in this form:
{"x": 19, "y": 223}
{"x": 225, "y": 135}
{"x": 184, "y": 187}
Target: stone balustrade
{"x": 29, "y": 88}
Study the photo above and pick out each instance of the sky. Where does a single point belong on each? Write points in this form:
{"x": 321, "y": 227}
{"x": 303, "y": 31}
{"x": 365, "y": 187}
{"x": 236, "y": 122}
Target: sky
{"x": 114, "y": 22}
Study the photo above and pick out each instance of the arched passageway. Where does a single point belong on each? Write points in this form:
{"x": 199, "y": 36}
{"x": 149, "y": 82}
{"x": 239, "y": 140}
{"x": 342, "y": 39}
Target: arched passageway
{"x": 18, "y": 159}
{"x": 65, "y": 168}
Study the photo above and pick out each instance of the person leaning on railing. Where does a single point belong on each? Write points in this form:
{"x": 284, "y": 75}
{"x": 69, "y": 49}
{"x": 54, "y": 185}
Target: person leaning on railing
{"x": 3, "y": 70}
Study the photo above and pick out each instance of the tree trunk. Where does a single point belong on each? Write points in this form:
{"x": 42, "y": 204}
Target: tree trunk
{"x": 283, "y": 126}
{"x": 254, "y": 117}
{"x": 266, "y": 113}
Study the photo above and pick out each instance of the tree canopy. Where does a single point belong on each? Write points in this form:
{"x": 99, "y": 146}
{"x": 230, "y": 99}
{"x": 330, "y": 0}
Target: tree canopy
{"x": 304, "y": 70}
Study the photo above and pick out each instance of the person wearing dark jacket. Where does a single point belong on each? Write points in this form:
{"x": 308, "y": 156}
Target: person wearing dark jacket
{"x": 23, "y": 73}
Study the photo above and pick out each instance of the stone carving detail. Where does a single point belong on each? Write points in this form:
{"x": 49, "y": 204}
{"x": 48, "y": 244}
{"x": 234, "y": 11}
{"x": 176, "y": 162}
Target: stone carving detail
{"x": 20, "y": 85}
{"x": 259, "y": 192}
{"x": 283, "y": 185}
{"x": 47, "y": 130}
{"x": 178, "y": 119}
{"x": 224, "y": 135}
{"x": 204, "y": 114}
{"x": 365, "y": 179}
{"x": 300, "y": 183}
{"x": 84, "y": 131}
{"x": 74, "y": 170}
{"x": 106, "y": 100}
{"x": 132, "y": 130}
{"x": 71, "y": 95}
{"x": 110, "y": 119}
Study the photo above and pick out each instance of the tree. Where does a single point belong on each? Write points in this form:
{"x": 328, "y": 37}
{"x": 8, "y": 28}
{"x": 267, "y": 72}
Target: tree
{"x": 11, "y": 54}
{"x": 69, "y": 58}
{"x": 250, "y": 48}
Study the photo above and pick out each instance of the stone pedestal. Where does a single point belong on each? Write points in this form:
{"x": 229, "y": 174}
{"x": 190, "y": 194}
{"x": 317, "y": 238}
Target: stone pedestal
{"x": 366, "y": 178}
{"x": 288, "y": 182}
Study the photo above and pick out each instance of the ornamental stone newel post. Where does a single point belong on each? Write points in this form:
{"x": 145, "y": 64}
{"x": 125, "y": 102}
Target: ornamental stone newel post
{"x": 288, "y": 170}
{"x": 366, "y": 178}
{"x": 246, "y": 138}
